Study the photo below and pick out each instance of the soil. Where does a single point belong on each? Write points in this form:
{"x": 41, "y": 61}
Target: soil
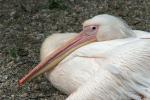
{"x": 24, "y": 24}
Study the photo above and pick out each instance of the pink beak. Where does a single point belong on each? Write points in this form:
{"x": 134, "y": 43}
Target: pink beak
{"x": 58, "y": 55}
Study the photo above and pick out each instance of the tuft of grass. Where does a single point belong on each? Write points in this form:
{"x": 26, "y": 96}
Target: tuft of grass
{"x": 13, "y": 53}
{"x": 57, "y": 4}
{"x": 22, "y": 52}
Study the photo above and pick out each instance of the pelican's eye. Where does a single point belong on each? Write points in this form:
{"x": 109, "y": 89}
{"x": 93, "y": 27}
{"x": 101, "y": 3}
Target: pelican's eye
{"x": 91, "y": 29}
{"x": 94, "y": 27}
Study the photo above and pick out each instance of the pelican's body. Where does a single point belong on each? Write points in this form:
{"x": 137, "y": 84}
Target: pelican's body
{"x": 116, "y": 67}
{"x": 80, "y": 66}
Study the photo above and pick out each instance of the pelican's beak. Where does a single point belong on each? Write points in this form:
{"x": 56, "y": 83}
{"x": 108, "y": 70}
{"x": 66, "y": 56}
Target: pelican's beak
{"x": 58, "y": 55}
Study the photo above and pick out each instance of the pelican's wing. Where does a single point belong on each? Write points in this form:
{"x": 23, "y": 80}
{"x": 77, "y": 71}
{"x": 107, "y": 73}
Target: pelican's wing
{"x": 106, "y": 86}
{"x": 111, "y": 85}
{"x": 132, "y": 60}
{"x": 125, "y": 75}
{"x": 130, "y": 65}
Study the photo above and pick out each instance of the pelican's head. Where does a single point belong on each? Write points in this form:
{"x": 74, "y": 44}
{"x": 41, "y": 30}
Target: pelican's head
{"x": 99, "y": 28}
{"x": 108, "y": 27}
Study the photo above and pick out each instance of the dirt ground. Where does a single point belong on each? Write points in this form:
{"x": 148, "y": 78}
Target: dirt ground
{"x": 24, "y": 24}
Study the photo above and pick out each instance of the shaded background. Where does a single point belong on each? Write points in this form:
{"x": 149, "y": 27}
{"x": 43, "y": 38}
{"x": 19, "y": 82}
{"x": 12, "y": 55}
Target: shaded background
{"x": 24, "y": 24}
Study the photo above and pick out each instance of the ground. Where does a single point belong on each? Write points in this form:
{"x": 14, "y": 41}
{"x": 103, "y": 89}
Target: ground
{"x": 24, "y": 24}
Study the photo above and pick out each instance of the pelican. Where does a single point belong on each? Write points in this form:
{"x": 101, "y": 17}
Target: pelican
{"x": 107, "y": 60}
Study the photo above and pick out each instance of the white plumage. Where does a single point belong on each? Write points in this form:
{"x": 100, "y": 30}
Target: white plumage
{"x": 117, "y": 67}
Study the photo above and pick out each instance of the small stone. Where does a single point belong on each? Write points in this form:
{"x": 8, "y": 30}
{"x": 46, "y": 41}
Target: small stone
{"x": 5, "y": 77}
{"x": 39, "y": 36}
{"x": 12, "y": 96}
{"x": 24, "y": 95}
{"x": 12, "y": 13}
{"x": 25, "y": 28}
